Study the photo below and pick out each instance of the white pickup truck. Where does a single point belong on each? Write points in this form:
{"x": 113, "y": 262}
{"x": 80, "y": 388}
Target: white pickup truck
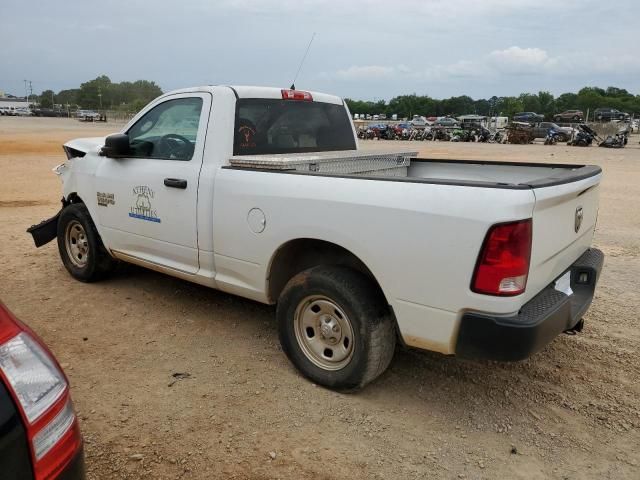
{"x": 263, "y": 193}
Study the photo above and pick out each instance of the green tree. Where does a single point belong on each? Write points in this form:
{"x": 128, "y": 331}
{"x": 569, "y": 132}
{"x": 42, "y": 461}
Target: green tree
{"x": 102, "y": 92}
{"x": 47, "y": 99}
{"x": 95, "y": 93}
{"x": 509, "y": 106}
{"x": 67, "y": 97}
{"x": 547, "y": 104}
{"x": 566, "y": 101}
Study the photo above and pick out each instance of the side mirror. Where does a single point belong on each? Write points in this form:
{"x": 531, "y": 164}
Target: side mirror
{"x": 116, "y": 146}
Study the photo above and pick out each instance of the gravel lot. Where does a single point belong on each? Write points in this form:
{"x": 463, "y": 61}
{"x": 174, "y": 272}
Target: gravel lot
{"x": 172, "y": 380}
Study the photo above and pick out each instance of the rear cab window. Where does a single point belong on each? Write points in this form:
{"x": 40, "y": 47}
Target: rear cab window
{"x": 275, "y": 126}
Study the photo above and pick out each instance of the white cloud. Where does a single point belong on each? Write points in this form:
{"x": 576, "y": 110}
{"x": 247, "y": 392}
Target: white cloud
{"x": 459, "y": 69}
{"x": 498, "y": 64}
{"x": 520, "y": 61}
{"x": 357, "y": 72}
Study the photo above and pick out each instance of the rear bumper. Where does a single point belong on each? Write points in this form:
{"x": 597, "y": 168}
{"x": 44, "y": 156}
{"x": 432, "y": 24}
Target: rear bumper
{"x": 75, "y": 469}
{"x": 537, "y": 323}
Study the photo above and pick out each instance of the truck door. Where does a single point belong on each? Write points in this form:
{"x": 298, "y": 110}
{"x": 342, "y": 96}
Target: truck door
{"x": 147, "y": 202}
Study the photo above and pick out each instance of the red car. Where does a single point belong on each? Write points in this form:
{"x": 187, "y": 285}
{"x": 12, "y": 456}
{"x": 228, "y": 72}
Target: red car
{"x": 39, "y": 433}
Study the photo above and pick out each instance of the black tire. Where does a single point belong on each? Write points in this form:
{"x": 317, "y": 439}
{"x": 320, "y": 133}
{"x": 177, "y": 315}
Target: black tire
{"x": 95, "y": 262}
{"x": 362, "y": 302}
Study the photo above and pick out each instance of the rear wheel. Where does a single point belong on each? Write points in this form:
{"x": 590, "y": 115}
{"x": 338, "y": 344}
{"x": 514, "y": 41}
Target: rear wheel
{"x": 335, "y": 327}
{"x": 80, "y": 246}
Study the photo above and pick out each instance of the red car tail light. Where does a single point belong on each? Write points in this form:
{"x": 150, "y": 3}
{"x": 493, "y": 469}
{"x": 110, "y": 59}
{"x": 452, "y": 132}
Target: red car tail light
{"x": 296, "y": 95}
{"x": 41, "y": 393}
{"x": 503, "y": 263}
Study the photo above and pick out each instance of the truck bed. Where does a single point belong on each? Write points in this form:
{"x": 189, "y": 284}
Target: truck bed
{"x": 405, "y": 166}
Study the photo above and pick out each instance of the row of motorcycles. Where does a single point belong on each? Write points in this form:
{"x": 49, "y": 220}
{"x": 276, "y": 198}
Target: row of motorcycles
{"x": 584, "y": 136}
{"x": 402, "y": 132}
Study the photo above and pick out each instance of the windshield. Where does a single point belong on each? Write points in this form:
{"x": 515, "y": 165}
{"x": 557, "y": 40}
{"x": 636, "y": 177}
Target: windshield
{"x": 269, "y": 126}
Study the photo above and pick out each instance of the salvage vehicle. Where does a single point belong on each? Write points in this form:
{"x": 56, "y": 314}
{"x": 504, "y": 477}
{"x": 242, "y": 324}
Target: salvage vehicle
{"x": 608, "y": 114}
{"x": 446, "y": 122}
{"x": 569, "y": 116}
{"x": 562, "y": 134}
{"x": 263, "y": 193}
{"x": 583, "y": 136}
{"x": 39, "y": 434}
{"x": 88, "y": 116}
{"x": 528, "y": 117}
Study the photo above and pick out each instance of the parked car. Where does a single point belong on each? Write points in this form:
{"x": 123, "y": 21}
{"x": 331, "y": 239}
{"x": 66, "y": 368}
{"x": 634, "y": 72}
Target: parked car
{"x": 87, "y": 115}
{"x": 635, "y": 125}
{"x": 529, "y": 117}
{"x": 7, "y": 111}
{"x": 607, "y": 114}
{"x": 446, "y": 122}
{"x": 39, "y": 433}
{"x": 23, "y": 112}
{"x": 270, "y": 199}
{"x": 418, "y": 121}
{"x": 48, "y": 112}
{"x": 569, "y": 116}
{"x": 541, "y": 129}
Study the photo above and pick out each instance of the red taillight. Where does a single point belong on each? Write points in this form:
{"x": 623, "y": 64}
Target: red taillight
{"x": 41, "y": 393}
{"x": 296, "y": 95}
{"x": 503, "y": 264}
{"x": 58, "y": 438}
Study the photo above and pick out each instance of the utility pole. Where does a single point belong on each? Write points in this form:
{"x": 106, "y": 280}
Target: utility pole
{"x": 100, "y": 96}
{"x": 26, "y": 92}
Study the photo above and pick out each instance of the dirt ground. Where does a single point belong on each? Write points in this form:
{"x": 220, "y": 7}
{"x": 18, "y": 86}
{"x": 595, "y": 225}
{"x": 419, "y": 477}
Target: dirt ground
{"x": 241, "y": 411}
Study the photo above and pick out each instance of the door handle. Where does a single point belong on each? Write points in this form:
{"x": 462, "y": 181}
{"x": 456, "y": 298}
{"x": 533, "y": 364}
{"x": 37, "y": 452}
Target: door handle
{"x": 175, "y": 183}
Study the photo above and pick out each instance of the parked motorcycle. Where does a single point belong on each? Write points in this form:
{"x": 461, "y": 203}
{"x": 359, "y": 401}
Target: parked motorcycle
{"x": 553, "y": 136}
{"x": 619, "y": 140}
{"x": 583, "y": 136}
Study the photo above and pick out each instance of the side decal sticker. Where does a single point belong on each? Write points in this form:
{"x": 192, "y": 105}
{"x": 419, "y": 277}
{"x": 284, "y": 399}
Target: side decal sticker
{"x": 142, "y": 208}
{"x": 105, "y": 199}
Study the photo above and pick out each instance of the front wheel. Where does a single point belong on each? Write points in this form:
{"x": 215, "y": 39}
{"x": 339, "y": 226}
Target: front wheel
{"x": 80, "y": 246}
{"x": 335, "y": 327}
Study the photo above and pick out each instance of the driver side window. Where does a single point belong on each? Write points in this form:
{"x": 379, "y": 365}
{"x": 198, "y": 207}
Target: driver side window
{"x": 168, "y": 131}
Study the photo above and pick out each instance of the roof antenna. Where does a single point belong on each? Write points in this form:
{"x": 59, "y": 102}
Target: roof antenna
{"x": 293, "y": 84}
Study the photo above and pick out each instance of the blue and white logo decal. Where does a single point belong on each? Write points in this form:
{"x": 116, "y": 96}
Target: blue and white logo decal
{"x": 142, "y": 209}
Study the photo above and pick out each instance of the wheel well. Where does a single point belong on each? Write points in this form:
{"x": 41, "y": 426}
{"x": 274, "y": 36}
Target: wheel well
{"x": 72, "y": 198}
{"x": 297, "y": 255}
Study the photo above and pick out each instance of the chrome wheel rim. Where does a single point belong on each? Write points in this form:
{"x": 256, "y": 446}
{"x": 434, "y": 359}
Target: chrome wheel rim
{"x": 324, "y": 333}
{"x": 76, "y": 244}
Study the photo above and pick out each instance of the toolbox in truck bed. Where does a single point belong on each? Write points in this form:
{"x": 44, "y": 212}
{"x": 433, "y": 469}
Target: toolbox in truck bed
{"x": 337, "y": 162}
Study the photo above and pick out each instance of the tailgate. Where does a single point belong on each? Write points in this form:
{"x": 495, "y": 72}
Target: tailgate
{"x": 564, "y": 219}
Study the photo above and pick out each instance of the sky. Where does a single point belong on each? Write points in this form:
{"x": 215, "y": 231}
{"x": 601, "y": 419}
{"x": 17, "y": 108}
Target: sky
{"x": 363, "y": 49}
